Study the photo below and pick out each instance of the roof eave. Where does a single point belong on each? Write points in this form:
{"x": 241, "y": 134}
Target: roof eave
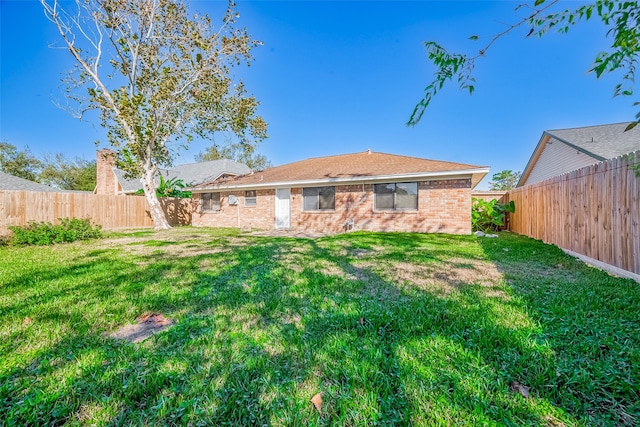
{"x": 578, "y": 148}
{"x": 537, "y": 152}
{"x": 476, "y": 175}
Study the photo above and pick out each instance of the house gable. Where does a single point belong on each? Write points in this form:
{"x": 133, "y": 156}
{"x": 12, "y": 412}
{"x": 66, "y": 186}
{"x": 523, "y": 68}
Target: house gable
{"x": 555, "y": 157}
{"x": 563, "y": 150}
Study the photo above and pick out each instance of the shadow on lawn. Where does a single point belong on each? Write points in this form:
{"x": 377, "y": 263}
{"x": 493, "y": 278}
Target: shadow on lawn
{"x": 590, "y": 321}
{"x": 264, "y": 326}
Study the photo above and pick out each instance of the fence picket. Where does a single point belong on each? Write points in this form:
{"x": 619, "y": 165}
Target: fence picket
{"x": 593, "y": 211}
{"x": 110, "y": 211}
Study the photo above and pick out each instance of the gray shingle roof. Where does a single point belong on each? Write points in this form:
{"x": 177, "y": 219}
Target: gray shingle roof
{"x": 602, "y": 142}
{"x": 197, "y": 173}
{"x": 10, "y": 182}
{"x": 190, "y": 173}
{"x": 129, "y": 185}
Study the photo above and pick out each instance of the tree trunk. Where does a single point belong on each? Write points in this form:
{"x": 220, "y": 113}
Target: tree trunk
{"x": 155, "y": 208}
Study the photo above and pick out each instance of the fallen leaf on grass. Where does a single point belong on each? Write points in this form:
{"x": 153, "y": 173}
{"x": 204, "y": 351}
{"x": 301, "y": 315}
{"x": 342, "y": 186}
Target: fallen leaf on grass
{"x": 317, "y": 402}
{"x": 516, "y": 387}
{"x": 27, "y": 321}
{"x": 156, "y": 319}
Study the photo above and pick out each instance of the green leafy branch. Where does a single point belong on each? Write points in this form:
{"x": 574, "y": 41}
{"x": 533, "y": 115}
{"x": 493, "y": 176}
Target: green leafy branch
{"x": 622, "y": 18}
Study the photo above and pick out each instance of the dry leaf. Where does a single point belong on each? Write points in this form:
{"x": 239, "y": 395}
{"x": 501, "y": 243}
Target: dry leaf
{"x": 27, "y": 321}
{"x": 159, "y": 320}
{"x": 155, "y": 318}
{"x": 516, "y": 387}
{"x": 317, "y": 402}
{"x": 144, "y": 317}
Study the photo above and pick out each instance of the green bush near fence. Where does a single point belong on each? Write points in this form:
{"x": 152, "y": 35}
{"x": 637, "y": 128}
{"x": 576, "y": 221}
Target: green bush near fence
{"x": 45, "y": 233}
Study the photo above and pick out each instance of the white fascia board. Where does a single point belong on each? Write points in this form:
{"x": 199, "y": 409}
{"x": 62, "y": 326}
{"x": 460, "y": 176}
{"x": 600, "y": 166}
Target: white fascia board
{"x": 418, "y": 176}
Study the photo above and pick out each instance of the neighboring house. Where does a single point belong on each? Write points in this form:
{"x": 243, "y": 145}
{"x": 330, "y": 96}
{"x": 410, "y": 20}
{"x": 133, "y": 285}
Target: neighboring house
{"x": 361, "y": 191}
{"x": 10, "y": 182}
{"x": 564, "y": 150}
{"x": 111, "y": 180}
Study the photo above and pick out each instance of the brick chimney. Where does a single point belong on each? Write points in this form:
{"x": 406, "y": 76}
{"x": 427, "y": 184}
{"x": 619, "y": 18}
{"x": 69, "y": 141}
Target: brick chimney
{"x": 106, "y": 182}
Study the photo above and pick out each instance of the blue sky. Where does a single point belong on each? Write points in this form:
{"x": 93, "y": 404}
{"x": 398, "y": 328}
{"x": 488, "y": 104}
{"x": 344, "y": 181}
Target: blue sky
{"x": 340, "y": 77}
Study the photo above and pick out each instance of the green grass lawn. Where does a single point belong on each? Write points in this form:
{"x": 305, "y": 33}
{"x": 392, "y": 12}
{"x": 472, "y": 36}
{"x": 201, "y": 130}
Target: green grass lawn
{"x": 393, "y": 329}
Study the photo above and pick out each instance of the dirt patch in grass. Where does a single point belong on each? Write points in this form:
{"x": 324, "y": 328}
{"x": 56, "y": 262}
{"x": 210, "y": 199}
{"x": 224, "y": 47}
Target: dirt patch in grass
{"x": 439, "y": 278}
{"x": 145, "y": 326}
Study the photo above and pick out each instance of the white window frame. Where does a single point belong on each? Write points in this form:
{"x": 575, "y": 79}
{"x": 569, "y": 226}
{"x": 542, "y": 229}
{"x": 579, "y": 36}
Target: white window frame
{"x": 251, "y": 200}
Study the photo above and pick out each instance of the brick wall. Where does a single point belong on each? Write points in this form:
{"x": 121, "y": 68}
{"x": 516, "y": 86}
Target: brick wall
{"x": 261, "y": 216}
{"x": 106, "y": 182}
{"x": 444, "y": 206}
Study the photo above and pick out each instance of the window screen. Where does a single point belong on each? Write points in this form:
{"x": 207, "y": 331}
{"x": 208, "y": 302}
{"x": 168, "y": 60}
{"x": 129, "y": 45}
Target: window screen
{"x": 210, "y": 202}
{"x": 401, "y": 196}
{"x": 250, "y": 198}
{"x": 318, "y": 198}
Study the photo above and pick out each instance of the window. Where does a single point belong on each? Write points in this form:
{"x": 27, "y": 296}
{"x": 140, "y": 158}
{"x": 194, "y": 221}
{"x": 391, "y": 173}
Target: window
{"x": 210, "y": 202}
{"x": 250, "y": 198}
{"x": 319, "y": 199}
{"x": 401, "y": 196}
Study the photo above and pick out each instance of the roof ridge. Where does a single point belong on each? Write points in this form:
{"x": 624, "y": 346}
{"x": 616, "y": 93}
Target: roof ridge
{"x": 204, "y": 161}
{"x": 587, "y": 127}
{"x": 376, "y": 152}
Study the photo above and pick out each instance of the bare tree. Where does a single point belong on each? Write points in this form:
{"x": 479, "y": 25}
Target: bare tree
{"x": 158, "y": 77}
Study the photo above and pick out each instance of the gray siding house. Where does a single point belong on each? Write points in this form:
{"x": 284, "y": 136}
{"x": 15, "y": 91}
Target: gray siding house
{"x": 564, "y": 150}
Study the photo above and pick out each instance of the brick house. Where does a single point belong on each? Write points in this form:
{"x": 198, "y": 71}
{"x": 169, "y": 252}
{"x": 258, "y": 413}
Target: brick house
{"x": 360, "y": 191}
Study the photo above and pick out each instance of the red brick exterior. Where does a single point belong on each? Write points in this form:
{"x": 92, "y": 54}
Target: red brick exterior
{"x": 444, "y": 206}
{"x": 106, "y": 182}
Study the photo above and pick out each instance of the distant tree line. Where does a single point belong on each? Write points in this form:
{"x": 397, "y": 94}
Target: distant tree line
{"x": 56, "y": 170}
{"x": 243, "y": 152}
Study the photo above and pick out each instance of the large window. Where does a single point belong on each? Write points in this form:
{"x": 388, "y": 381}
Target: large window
{"x": 319, "y": 198}
{"x": 210, "y": 202}
{"x": 250, "y": 198}
{"x": 401, "y": 196}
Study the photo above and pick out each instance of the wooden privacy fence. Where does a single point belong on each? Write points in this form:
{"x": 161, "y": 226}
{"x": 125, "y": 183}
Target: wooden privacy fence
{"x": 110, "y": 211}
{"x": 593, "y": 211}
{"x": 487, "y": 196}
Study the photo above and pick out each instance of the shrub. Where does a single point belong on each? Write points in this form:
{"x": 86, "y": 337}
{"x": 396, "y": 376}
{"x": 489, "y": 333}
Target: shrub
{"x": 45, "y": 233}
{"x": 489, "y": 216}
{"x": 173, "y": 187}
